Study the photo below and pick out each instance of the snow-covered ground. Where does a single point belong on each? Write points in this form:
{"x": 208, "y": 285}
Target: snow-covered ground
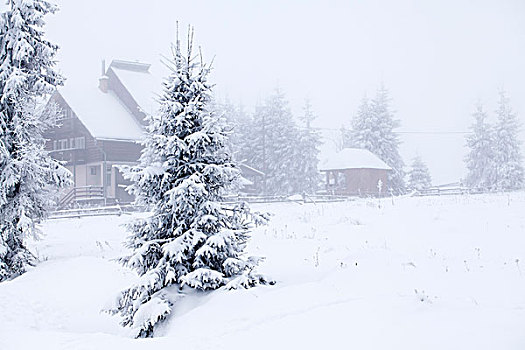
{"x": 416, "y": 273}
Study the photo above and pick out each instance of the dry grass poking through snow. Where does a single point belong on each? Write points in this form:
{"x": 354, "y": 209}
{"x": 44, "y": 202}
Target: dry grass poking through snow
{"x": 418, "y": 273}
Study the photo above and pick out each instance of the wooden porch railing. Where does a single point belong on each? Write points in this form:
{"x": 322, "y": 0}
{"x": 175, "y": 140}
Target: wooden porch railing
{"x": 81, "y": 194}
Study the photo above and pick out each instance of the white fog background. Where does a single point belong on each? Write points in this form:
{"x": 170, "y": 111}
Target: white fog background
{"x": 437, "y": 58}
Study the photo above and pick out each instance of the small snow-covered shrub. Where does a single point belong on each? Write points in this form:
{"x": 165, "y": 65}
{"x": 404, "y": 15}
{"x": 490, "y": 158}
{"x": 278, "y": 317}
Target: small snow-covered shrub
{"x": 419, "y": 176}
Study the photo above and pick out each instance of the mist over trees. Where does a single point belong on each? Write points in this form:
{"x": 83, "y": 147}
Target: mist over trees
{"x": 509, "y": 167}
{"x": 307, "y": 176}
{"x": 28, "y": 174}
{"x": 494, "y": 160}
{"x": 236, "y": 123}
{"x": 418, "y": 176}
{"x": 271, "y": 141}
{"x": 372, "y": 128}
{"x": 480, "y": 160}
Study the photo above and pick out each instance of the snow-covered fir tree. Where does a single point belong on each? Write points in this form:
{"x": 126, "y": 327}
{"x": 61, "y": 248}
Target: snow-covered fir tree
{"x": 225, "y": 110}
{"x": 193, "y": 238}
{"x": 419, "y": 176}
{"x": 272, "y": 148}
{"x": 239, "y": 125}
{"x": 507, "y": 153}
{"x": 285, "y": 153}
{"x": 242, "y": 134}
{"x": 373, "y": 129}
{"x": 308, "y": 115}
{"x": 28, "y": 174}
{"x": 359, "y": 135}
{"x": 480, "y": 160}
{"x": 306, "y": 175}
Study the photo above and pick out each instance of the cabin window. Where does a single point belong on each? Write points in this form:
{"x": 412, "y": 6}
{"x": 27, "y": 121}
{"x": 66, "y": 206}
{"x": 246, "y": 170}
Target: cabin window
{"x": 72, "y": 143}
{"x": 63, "y": 144}
{"x": 77, "y": 143}
{"x": 93, "y": 170}
{"x": 67, "y": 113}
{"x": 80, "y": 142}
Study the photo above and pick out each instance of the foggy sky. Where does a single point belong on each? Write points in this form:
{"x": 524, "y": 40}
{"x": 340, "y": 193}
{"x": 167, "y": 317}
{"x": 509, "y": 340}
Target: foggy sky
{"x": 436, "y": 57}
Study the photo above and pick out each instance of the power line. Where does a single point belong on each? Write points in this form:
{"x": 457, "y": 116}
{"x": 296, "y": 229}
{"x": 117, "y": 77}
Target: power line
{"x": 422, "y": 132}
{"x": 433, "y": 132}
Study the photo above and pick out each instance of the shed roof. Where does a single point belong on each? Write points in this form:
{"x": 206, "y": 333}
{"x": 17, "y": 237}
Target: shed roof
{"x": 248, "y": 169}
{"x": 353, "y": 158}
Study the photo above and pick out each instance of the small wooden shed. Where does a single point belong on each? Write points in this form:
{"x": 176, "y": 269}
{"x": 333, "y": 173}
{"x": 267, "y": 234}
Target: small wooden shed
{"x": 354, "y": 171}
{"x": 251, "y": 179}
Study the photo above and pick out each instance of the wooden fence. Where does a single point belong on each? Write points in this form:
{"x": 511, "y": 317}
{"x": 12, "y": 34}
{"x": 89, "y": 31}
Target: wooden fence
{"x": 301, "y": 199}
{"x": 122, "y": 209}
{"x": 445, "y": 191}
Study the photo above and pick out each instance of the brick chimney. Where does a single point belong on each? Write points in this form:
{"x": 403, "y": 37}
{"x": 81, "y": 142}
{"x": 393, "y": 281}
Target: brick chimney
{"x": 103, "y": 81}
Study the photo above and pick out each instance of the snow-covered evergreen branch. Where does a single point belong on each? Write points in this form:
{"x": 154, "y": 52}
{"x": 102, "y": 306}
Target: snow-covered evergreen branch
{"x": 192, "y": 238}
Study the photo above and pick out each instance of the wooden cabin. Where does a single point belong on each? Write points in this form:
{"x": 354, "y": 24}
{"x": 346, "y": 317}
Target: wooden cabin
{"x": 100, "y": 129}
{"x": 355, "y": 172}
{"x": 251, "y": 179}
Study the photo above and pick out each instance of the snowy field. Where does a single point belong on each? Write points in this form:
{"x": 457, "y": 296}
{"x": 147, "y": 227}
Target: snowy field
{"x": 416, "y": 273}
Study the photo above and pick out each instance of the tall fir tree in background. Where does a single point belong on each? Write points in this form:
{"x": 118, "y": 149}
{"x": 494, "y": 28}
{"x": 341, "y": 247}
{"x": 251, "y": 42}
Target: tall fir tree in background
{"x": 419, "y": 176}
{"x": 373, "y": 129}
{"x": 28, "y": 174}
{"x": 305, "y": 174}
{"x": 507, "y": 153}
{"x": 242, "y": 134}
{"x": 192, "y": 237}
{"x": 308, "y": 115}
{"x": 388, "y": 147}
{"x": 480, "y": 159}
{"x": 360, "y": 134}
{"x": 239, "y": 126}
{"x": 226, "y": 110}
{"x": 272, "y": 148}
{"x": 287, "y": 154}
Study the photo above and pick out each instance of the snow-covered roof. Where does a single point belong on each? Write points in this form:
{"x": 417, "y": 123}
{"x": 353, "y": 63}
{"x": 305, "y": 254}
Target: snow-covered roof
{"x": 248, "y": 168}
{"x": 143, "y": 86}
{"x": 353, "y": 158}
{"x": 102, "y": 113}
{"x": 245, "y": 182}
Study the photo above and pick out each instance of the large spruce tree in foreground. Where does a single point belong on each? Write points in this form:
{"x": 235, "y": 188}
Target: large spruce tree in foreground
{"x": 192, "y": 239}
{"x": 27, "y": 174}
